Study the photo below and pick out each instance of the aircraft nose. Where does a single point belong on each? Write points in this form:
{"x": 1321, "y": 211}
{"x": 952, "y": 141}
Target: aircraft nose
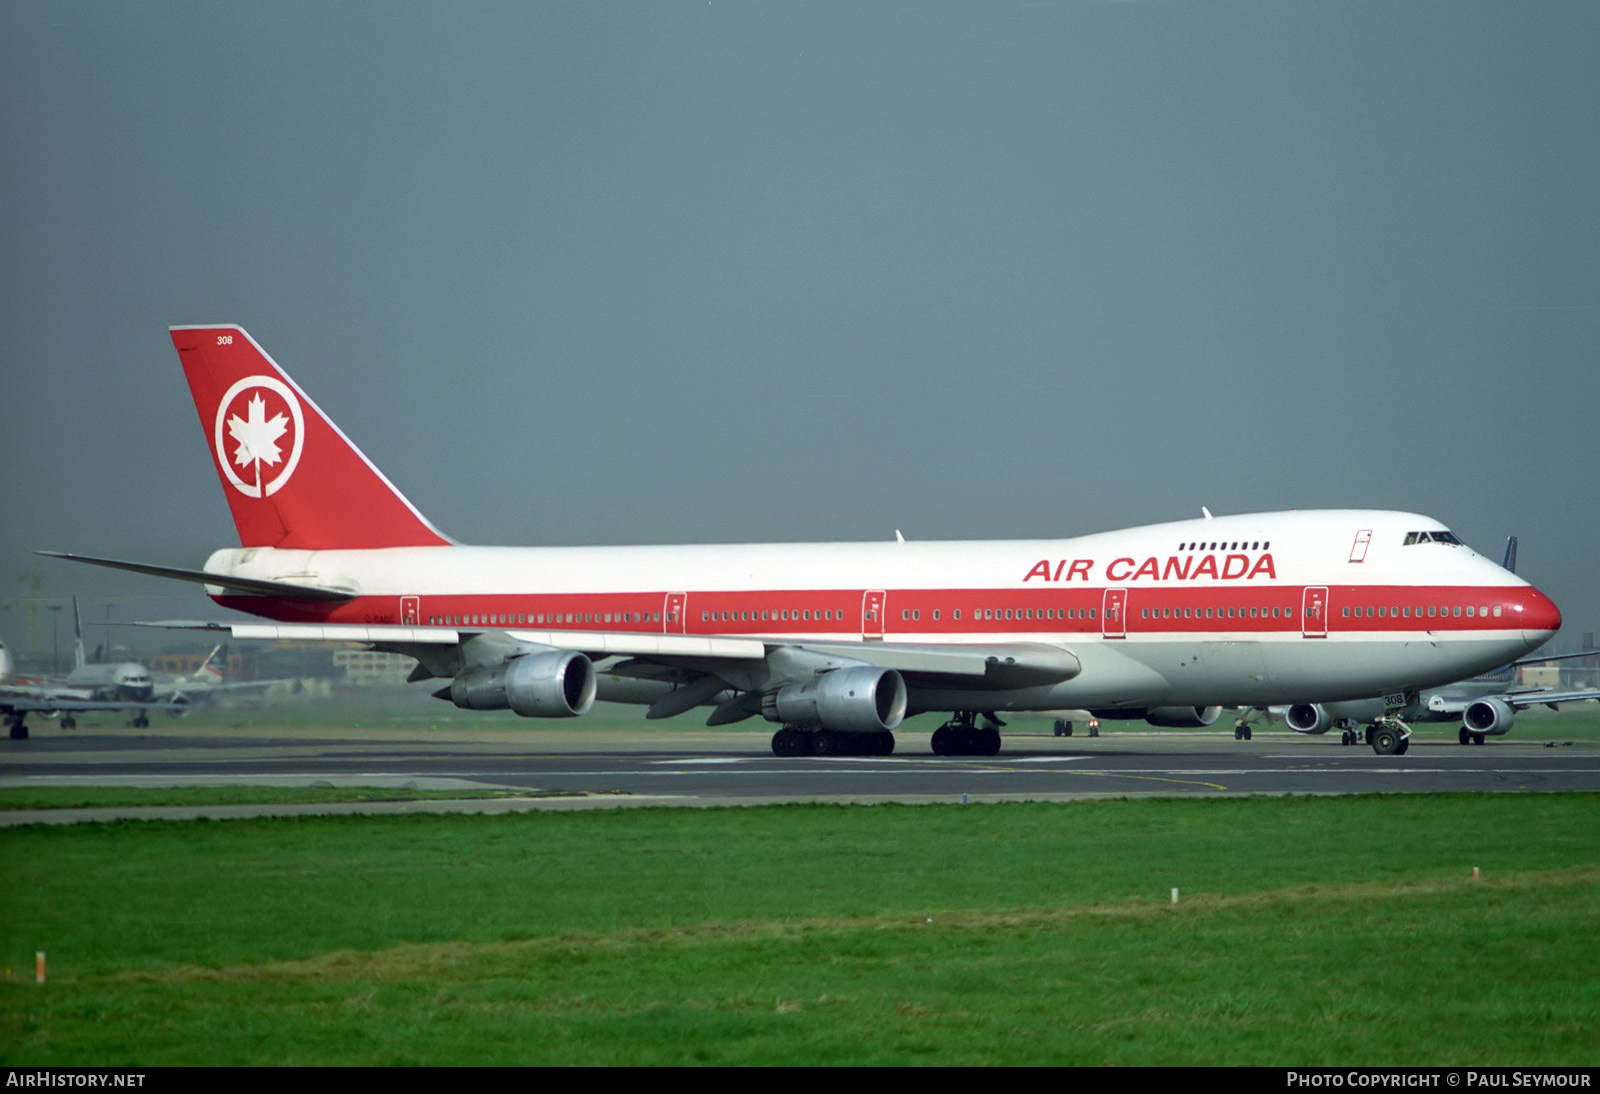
{"x": 1540, "y": 617}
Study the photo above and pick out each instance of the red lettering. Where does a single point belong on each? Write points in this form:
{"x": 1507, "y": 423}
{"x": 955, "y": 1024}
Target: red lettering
{"x": 1264, "y": 566}
{"x": 1174, "y": 570}
{"x": 1079, "y": 568}
{"x": 1147, "y": 566}
{"x": 1208, "y": 565}
{"x": 1040, "y": 569}
{"x": 1123, "y": 576}
{"x": 1229, "y": 572}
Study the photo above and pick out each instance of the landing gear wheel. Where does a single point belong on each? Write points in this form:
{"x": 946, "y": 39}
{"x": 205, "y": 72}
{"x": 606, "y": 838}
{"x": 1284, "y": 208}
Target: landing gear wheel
{"x": 68, "y": 722}
{"x": 1063, "y": 728}
{"x": 1465, "y": 736}
{"x": 963, "y": 737}
{"x": 1477, "y": 738}
{"x": 19, "y": 728}
{"x": 1388, "y": 740}
{"x": 790, "y": 741}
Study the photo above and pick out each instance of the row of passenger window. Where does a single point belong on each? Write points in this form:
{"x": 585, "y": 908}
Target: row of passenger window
{"x": 781, "y": 615}
{"x": 1454, "y": 611}
{"x": 527, "y": 619}
{"x": 1257, "y": 612}
{"x": 915, "y": 614}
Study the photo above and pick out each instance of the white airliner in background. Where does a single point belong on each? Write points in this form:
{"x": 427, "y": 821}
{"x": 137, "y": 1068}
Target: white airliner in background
{"x": 91, "y": 687}
{"x": 838, "y": 642}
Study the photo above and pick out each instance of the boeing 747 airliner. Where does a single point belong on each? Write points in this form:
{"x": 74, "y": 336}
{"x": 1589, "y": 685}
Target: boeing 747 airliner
{"x": 837, "y": 643}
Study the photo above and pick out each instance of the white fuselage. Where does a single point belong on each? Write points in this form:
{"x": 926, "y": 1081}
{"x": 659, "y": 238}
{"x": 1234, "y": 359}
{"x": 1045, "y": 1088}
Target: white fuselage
{"x": 1252, "y": 609}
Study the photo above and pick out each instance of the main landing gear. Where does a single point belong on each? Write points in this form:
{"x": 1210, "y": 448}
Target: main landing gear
{"x": 1467, "y": 737}
{"x": 18, "y": 727}
{"x": 816, "y": 741}
{"x": 962, "y": 736}
{"x": 1389, "y": 737}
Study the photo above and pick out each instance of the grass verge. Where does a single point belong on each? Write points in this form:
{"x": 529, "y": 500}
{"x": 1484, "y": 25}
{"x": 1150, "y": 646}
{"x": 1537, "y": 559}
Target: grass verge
{"x": 1309, "y": 931}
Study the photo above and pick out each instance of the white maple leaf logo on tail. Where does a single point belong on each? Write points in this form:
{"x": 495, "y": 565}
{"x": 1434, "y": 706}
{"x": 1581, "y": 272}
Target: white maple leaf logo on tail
{"x": 257, "y": 435}
{"x": 258, "y": 440}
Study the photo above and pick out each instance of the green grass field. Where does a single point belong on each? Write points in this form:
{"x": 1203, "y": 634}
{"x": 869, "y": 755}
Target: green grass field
{"x": 1326, "y": 930}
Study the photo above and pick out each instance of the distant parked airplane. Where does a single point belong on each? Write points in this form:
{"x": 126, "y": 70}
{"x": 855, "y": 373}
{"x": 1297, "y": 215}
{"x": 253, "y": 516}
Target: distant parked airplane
{"x": 103, "y": 691}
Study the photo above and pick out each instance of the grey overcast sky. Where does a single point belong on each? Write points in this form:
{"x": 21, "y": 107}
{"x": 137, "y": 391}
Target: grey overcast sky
{"x": 599, "y": 272}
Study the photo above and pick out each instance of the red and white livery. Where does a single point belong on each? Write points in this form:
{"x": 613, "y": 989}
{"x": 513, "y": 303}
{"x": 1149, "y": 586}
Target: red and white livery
{"x": 839, "y": 642}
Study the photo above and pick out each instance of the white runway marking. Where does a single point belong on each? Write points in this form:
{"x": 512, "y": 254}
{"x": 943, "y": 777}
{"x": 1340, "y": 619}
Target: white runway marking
{"x": 708, "y": 760}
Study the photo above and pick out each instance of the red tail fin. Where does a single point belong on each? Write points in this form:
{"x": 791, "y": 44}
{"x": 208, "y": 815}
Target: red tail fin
{"x": 291, "y": 477}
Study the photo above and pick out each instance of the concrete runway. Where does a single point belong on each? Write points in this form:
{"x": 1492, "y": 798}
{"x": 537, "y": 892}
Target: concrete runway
{"x": 573, "y": 768}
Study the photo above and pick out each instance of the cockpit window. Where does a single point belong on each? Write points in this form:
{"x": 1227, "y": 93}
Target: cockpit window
{"x": 1432, "y": 537}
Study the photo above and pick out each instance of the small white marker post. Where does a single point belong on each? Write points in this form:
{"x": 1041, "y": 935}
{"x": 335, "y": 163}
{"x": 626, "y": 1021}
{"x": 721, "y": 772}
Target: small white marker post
{"x": 38, "y": 967}
{"x": 1474, "y": 873}
{"x": 1174, "y": 894}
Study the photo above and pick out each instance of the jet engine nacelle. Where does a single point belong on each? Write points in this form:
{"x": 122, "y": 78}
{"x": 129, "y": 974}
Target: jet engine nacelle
{"x": 861, "y": 699}
{"x": 1308, "y": 718}
{"x": 1182, "y": 717}
{"x": 1491, "y": 717}
{"x": 550, "y": 684}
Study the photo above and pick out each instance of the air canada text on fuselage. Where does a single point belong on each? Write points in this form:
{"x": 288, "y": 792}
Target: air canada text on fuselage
{"x": 1190, "y": 567}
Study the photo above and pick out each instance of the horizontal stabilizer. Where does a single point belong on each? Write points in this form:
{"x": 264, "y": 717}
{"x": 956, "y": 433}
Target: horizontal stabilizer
{"x": 250, "y": 586}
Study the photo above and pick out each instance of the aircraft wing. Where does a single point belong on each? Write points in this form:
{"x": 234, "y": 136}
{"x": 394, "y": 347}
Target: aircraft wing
{"x": 1516, "y": 699}
{"x": 49, "y": 704}
{"x": 41, "y": 691}
{"x": 185, "y": 692}
{"x": 1555, "y": 657}
{"x": 999, "y": 665}
{"x": 1521, "y": 700}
